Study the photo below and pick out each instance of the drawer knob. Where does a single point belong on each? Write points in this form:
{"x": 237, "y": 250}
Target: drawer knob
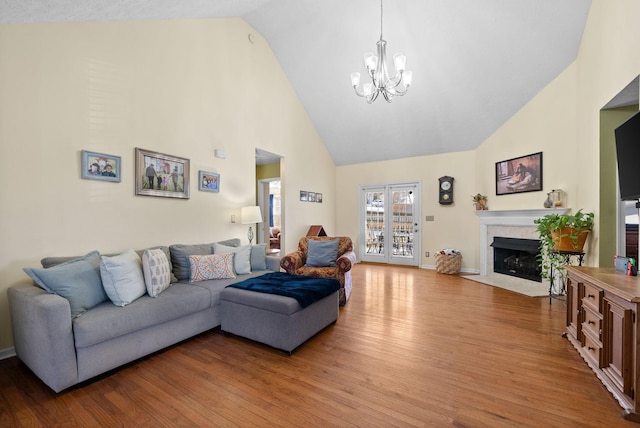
{"x": 590, "y": 348}
{"x": 591, "y": 296}
{"x": 590, "y": 322}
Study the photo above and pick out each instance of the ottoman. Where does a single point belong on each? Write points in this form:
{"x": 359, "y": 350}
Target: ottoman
{"x": 274, "y": 320}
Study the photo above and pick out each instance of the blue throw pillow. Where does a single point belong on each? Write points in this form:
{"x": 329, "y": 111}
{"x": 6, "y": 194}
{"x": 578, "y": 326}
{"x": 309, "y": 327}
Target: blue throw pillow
{"x": 322, "y": 253}
{"x": 259, "y": 257}
{"x": 77, "y": 280}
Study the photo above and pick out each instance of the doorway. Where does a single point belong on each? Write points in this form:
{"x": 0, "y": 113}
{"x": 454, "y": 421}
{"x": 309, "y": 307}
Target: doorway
{"x": 389, "y": 217}
{"x": 270, "y": 201}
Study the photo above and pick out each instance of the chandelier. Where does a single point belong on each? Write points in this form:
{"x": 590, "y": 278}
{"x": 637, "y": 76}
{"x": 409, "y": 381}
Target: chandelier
{"x": 376, "y": 67}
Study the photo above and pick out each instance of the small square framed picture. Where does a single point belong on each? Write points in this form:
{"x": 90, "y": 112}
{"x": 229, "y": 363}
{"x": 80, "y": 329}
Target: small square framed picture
{"x": 208, "y": 181}
{"x": 319, "y": 197}
{"x": 304, "y": 195}
{"x": 100, "y": 166}
{"x": 312, "y": 196}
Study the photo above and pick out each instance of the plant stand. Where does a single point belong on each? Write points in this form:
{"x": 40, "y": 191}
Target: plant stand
{"x": 567, "y": 256}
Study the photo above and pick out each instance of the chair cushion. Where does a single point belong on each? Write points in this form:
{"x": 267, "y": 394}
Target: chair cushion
{"x": 322, "y": 253}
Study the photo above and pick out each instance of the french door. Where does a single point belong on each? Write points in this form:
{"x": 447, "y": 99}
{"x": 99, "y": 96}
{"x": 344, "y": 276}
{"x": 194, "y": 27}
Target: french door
{"x": 389, "y": 220}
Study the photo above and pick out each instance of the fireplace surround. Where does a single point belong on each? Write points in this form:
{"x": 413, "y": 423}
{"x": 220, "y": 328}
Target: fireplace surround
{"x": 510, "y": 224}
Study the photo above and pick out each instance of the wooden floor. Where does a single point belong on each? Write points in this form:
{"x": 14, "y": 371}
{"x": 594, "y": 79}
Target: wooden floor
{"x": 411, "y": 348}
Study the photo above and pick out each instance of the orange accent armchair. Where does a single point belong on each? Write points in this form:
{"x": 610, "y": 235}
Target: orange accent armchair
{"x": 295, "y": 263}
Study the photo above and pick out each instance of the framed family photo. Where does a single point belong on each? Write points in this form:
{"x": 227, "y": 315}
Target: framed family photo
{"x": 208, "y": 181}
{"x": 304, "y": 195}
{"x": 519, "y": 175}
{"x": 100, "y": 166}
{"x": 158, "y": 174}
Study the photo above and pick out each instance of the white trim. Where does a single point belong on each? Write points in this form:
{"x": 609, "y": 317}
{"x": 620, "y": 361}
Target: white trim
{"x": 7, "y": 353}
{"x": 507, "y": 218}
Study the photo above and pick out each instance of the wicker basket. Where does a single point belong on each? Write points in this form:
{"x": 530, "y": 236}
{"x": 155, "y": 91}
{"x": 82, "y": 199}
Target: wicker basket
{"x": 449, "y": 264}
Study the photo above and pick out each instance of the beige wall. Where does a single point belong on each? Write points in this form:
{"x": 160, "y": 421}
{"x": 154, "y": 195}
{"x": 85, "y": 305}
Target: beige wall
{"x": 183, "y": 88}
{"x": 561, "y": 121}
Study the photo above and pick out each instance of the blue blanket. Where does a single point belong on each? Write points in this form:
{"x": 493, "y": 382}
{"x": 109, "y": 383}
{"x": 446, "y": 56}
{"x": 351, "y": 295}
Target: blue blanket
{"x": 305, "y": 289}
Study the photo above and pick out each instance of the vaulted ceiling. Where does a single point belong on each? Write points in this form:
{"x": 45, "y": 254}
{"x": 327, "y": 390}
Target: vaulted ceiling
{"x": 475, "y": 63}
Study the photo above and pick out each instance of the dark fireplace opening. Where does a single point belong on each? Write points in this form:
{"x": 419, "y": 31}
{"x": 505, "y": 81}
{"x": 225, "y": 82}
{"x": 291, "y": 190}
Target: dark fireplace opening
{"x": 517, "y": 257}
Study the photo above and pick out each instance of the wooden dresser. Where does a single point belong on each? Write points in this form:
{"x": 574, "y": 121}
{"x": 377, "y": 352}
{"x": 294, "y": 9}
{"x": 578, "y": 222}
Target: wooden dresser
{"x": 602, "y": 324}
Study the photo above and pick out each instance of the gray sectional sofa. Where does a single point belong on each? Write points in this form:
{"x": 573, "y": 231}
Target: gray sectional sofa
{"x": 63, "y": 350}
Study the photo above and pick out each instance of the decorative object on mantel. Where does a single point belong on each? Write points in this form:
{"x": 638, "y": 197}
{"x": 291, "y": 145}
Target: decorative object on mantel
{"x": 480, "y": 202}
{"x": 561, "y": 234}
{"x": 448, "y": 261}
{"x": 376, "y": 66}
{"x": 555, "y": 199}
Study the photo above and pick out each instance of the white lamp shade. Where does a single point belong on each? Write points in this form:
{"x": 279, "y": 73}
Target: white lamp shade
{"x": 400, "y": 61}
{"x": 250, "y": 215}
{"x": 368, "y": 89}
{"x": 355, "y": 78}
{"x": 406, "y": 77}
{"x": 370, "y": 61}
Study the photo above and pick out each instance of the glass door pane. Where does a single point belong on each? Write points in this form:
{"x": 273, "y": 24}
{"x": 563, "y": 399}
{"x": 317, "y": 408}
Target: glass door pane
{"x": 389, "y": 224}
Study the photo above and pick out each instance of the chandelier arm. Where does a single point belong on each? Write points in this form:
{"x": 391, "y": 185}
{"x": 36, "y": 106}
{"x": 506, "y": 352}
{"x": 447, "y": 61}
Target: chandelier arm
{"x": 358, "y": 91}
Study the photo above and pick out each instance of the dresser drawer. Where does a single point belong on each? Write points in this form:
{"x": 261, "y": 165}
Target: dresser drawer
{"x": 592, "y": 297}
{"x": 592, "y": 350}
{"x": 592, "y": 324}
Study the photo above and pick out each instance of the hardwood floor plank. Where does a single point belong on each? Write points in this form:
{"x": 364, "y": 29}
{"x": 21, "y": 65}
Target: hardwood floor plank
{"x": 411, "y": 348}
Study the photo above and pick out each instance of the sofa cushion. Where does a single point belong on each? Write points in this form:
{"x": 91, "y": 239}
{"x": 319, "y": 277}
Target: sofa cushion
{"x": 241, "y": 256}
{"x": 122, "y": 277}
{"x": 157, "y": 271}
{"x": 107, "y": 321}
{"x": 180, "y": 255}
{"x": 215, "y": 286}
{"x": 78, "y": 280}
{"x": 259, "y": 257}
{"x": 211, "y": 266}
{"x": 322, "y": 253}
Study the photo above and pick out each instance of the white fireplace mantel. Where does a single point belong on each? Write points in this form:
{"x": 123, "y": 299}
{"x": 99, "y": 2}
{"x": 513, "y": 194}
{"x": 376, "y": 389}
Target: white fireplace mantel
{"x": 507, "y": 218}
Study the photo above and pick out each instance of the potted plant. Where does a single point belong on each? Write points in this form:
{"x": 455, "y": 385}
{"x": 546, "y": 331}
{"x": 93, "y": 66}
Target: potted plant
{"x": 480, "y": 201}
{"x": 561, "y": 234}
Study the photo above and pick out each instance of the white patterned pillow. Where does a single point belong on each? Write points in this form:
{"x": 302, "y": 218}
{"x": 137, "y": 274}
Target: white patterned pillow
{"x": 212, "y": 266}
{"x": 157, "y": 271}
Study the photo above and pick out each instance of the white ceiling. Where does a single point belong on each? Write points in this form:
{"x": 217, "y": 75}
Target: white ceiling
{"x": 475, "y": 63}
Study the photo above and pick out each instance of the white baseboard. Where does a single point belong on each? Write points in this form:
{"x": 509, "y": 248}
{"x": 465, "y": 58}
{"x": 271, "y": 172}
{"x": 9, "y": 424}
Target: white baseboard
{"x": 7, "y": 353}
{"x": 463, "y": 270}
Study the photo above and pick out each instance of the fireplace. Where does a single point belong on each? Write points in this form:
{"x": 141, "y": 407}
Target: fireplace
{"x": 517, "y": 257}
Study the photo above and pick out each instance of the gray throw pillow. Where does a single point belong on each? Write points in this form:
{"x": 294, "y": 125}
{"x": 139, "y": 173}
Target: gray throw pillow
{"x": 322, "y": 253}
{"x": 77, "y": 280}
{"x": 259, "y": 257}
{"x": 180, "y": 258}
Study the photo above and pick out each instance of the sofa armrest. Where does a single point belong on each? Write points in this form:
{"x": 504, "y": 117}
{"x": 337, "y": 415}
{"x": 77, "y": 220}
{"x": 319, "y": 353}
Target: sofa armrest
{"x": 43, "y": 335}
{"x": 273, "y": 263}
{"x": 346, "y": 261}
{"x": 293, "y": 261}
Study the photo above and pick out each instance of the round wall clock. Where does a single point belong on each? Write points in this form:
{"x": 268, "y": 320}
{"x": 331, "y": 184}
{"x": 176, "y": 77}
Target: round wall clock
{"x": 445, "y": 191}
